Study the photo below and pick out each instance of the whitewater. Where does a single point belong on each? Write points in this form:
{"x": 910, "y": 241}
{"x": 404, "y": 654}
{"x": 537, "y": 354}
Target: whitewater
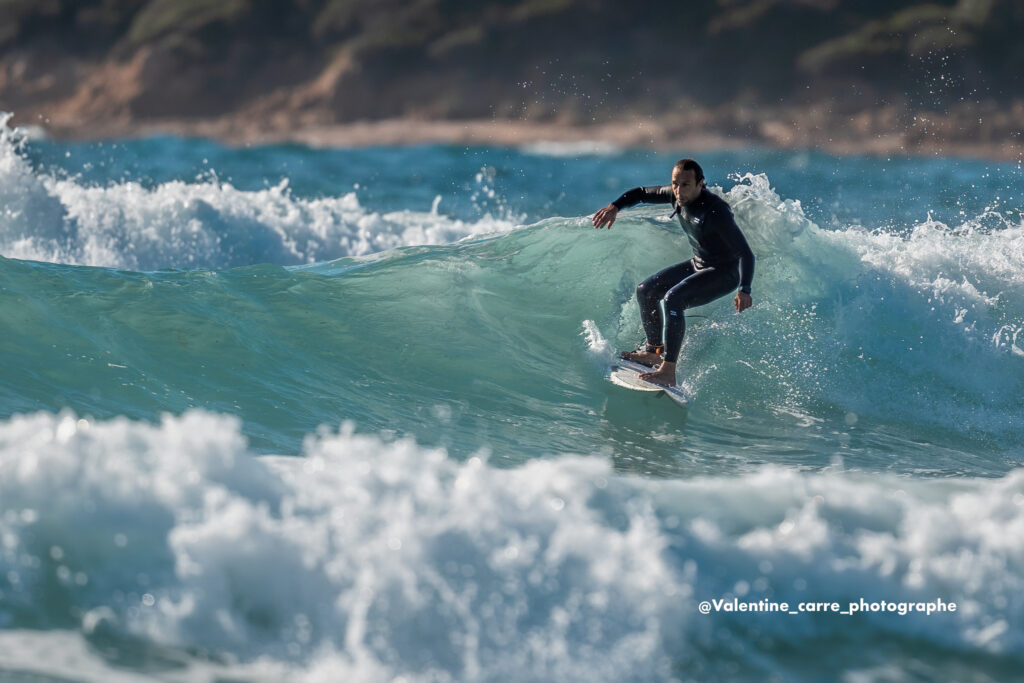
{"x": 285, "y": 413}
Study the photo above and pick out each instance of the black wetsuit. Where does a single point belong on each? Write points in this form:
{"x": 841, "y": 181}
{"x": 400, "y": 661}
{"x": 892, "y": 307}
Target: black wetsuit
{"x": 722, "y": 262}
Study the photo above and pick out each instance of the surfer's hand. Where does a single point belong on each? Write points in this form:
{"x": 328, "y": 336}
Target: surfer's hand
{"x": 606, "y": 216}
{"x": 742, "y": 301}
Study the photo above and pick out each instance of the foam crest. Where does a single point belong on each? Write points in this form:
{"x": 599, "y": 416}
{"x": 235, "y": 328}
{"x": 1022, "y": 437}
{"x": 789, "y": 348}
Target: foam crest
{"x": 402, "y": 562}
{"x": 171, "y": 533}
{"x": 770, "y": 219}
{"x": 965, "y": 269}
{"x": 865, "y": 319}
{"x": 961, "y": 267}
{"x": 208, "y": 224}
{"x": 28, "y": 207}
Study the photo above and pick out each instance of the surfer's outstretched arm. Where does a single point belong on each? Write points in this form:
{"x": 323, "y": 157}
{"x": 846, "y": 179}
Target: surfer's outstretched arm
{"x": 655, "y": 194}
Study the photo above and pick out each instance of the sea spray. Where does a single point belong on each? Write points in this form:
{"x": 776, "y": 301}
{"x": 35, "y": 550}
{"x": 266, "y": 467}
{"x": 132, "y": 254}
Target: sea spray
{"x": 177, "y": 535}
{"x": 206, "y": 223}
{"x": 499, "y": 506}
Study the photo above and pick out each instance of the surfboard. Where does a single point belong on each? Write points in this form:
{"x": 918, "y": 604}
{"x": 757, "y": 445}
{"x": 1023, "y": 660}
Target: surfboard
{"x": 626, "y": 374}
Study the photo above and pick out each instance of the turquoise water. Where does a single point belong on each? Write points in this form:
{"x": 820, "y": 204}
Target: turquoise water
{"x": 285, "y": 412}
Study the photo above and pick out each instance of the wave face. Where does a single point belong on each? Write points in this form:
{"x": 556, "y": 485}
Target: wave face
{"x": 187, "y": 325}
{"x": 481, "y": 342}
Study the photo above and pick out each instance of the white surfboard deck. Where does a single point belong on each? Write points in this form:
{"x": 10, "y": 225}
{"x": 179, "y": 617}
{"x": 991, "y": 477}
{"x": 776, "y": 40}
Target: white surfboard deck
{"x": 626, "y": 374}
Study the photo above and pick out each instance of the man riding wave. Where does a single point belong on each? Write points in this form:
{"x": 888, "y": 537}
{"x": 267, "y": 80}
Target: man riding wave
{"x": 722, "y": 263}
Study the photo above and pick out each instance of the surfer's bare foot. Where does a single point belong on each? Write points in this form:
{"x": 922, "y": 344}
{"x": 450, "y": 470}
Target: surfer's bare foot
{"x": 648, "y": 358}
{"x": 665, "y": 375}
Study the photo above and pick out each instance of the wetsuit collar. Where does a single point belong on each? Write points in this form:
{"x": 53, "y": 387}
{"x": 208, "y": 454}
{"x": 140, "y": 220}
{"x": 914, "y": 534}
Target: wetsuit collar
{"x": 678, "y": 208}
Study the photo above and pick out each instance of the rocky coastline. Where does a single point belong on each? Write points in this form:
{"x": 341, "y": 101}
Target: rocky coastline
{"x": 879, "y": 78}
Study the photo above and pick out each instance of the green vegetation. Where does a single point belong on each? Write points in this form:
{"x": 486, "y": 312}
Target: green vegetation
{"x": 909, "y": 32}
{"x": 162, "y": 18}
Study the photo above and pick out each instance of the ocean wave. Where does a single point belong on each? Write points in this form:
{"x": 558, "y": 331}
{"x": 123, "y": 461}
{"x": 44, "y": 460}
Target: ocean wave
{"x": 914, "y": 318}
{"x": 374, "y": 558}
{"x": 189, "y": 225}
{"x": 917, "y": 335}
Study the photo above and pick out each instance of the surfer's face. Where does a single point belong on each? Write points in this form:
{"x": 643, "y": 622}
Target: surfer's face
{"x": 685, "y": 185}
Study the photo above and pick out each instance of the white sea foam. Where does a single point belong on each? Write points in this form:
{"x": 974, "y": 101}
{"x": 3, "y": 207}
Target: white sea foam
{"x": 876, "y": 323}
{"x": 966, "y": 271}
{"x": 367, "y": 559}
{"x": 207, "y": 224}
{"x": 597, "y": 346}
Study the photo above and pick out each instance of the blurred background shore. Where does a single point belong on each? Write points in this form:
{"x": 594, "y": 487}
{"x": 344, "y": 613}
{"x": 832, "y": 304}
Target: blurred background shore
{"x": 875, "y": 77}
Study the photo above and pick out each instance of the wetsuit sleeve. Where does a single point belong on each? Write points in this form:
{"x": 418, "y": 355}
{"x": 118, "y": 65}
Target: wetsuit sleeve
{"x": 726, "y": 228}
{"x": 655, "y": 194}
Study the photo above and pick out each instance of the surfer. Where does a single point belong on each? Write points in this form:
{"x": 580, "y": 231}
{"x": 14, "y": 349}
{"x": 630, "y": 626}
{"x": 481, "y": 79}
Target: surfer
{"x": 722, "y": 262}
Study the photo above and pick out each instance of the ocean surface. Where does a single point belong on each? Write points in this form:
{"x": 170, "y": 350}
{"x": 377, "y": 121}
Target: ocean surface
{"x": 282, "y": 413}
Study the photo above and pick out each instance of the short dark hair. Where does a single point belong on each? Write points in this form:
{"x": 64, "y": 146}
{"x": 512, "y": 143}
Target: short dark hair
{"x": 689, "y": 165}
